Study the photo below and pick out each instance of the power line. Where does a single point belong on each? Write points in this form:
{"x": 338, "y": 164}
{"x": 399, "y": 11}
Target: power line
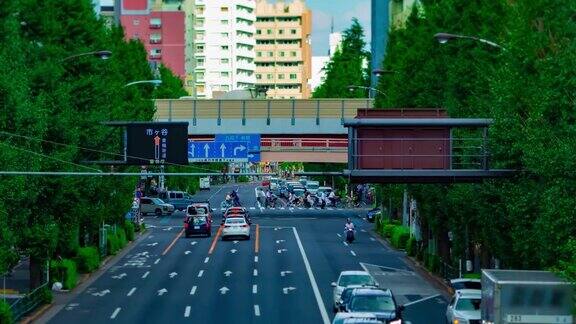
{"x": 97, "y": 151}
{"x": 48, "y": 157}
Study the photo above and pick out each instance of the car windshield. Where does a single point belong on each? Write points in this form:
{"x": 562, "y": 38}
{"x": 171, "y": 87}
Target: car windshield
{"x": 348, "y": 280}
{"x": 372, "y": 303}
{"x": 466, "y": 285}
{"x": 312, "y": 186}
{"x": 235, "y": 221}
{"x": 299, "y": 193}
{"x": 199, "y": 220}
{"x": 201, "y": 210}
{"x": 468, "y": 304}
{"x": 158, "y": 201}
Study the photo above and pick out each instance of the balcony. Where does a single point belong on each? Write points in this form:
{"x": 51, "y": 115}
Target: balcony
{"x": 155, "y": 56}
{"x": 155, "y": 39}
{"x": 243, "y": 65}
{"x": 241, "y": 26}
{"x": 155, "y": 23}
{"x": 245, "y": 52}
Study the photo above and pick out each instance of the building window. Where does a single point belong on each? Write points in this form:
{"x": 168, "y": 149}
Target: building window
{"x": 223, "y": 9}
{"x": 200, "y": 88}
{"x": 282, "y": 54}
{"x": 156, "y": 22}
{"x": 136, "y": 22}
{"x": 286, "y": 9}
{"x": 200, "y": 62}
{"x": 271, "y": 54}
{"x": 293, "y": 31}
{"x": 269, "y": 31}
{"x": 281, "y": 76}
{"x": 199, "y": 22}
{"x": 224, "y": 47}
{"x": 224, "y": 61}
{"x": 280, "y": 31}
{"x": 258, "y": 31}
{"x": 224, "y": 22}
{"x": 269, "y": 76}
{"x": 200, "y": 76}
{"x": 293, "y": 54}
{"x": 258, "y": 76}
{"x": 200, "y": 35}
{"x": 200, "y": 10}
{"x": 293, "y": 76}
{"x": 259, "y": 54}
{"x": 225, "y": 74}
{"x": 225, "y": 87}
{"x": 200, "y": 48}
{"x": 225, "y": 35}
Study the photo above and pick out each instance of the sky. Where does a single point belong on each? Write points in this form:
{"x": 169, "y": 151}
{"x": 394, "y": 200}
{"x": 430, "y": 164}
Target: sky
{"x": 343, "y": 11}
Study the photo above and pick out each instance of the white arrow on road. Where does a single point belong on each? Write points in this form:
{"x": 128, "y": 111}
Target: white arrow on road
{"x": 151, "y": 226}
{"x": 223, "y": 290}
{"x": 223, "y": 149}
{"x": 250, "y": 155}
{"x": 120, "y": 276}
{"x": 187, "y": 252}
{"x": 286, "y": 290}
{"x": 239, "y": 148}
{"x": 162, "y": 291}
{"x": 228, "y": 273}
{"x": 233, "y": 250}
{"x": 282, "y": 250}
{"x": 284, "y": 273}
{"x": 193, "y": 150}
{"x": 173, "y": 274}
{"x": 102, "y": 293}
{"x": 152, "y": 244}
{"x": 279, "y": 241}
{"x": 168, "y": 228}
{"x": 206, "y": 150}
{"x": 193, "y": 242}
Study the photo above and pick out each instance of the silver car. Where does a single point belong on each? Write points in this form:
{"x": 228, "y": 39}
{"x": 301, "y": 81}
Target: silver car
{"x": 464, "y": 308}
{"x": 350, "y": 278}
{"x": 155, "y": 206}
{"x": 235, "y": 227}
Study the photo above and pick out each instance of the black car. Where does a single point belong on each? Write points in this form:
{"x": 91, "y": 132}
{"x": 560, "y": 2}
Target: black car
{"x": 197, "y": 225}
{"x": 372, "y": 214}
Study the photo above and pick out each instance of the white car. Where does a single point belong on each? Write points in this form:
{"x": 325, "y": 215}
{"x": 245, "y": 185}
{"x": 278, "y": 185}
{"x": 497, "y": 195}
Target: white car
{"x": 464, "y": 308}
{"x": 312, "y": 186}
{"x": 349, "y": 278}
{"x": 235, "y": 227}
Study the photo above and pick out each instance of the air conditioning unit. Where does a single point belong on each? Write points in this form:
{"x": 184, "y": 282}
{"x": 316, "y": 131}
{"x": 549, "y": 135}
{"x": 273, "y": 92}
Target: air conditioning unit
{"x": 155, "y": 40}
{"x": 156, "y": 56}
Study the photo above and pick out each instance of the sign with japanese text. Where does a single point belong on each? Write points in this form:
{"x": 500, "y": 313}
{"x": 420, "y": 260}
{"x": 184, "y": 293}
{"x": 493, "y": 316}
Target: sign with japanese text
{"x": 157, "y": 143}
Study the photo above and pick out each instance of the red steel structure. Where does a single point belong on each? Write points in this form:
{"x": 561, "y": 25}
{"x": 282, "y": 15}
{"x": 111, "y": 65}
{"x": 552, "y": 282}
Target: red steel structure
{"x": 162, "y": 31}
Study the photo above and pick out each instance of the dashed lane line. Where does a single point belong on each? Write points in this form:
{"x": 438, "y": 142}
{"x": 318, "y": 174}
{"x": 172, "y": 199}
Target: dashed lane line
{"x": 319, "y": 301}
{"x": 254, "y": 289}
{"x": 187, "y": 311}
{"x": 256, "y": 258}
{"x": 131, "y": 292}
{"x": 256, "y": 310}
{"x": 257, "y": 239}
{"x": 145, "y": 274}
{"x": 116, "y": 311}
{"x": 200, "y": 273}
{"x": 207, "y": 259}
{"x": 193, "y": 290}
{"x": 157, "y": 260}
{"x": 353, "y": 253}
{"x": 255, "y": 273}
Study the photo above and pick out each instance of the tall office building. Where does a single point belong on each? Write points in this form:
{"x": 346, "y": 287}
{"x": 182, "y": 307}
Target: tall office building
{"x": 283, "y": 53}
{"x": 160, "y": 25}
{"x": 223, "y": 46}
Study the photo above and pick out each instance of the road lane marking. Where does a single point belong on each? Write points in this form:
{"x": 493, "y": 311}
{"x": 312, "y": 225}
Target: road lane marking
{"x": 256, "y": 310}
{"x": 252, "y": 208}
{"x": 187, "y": 311}
{"x": 116, "y": 311}
{"x": 338, "y": 235}
{"x": 257, "y": 241}
{"x": 372, "y": 239}
{"x": 200, "y": 273}
{"x": 207, "y": 259}
{"x": 173, "y": 242}
{"x": 146, "y": 274}
{"x": 157, "y": 260}
{"x": 131, "y": 292}
{"x": 256, "y": 258}
{"x": 193, "y": 290}
{"x": 319, "y": 301}
{"x": 345, "y": 243}
{"x": 255, "y": 273}
{"x": 421, "y": 300}
{"x": 254, "y": 289}
{"x": 353, "y": 253}
{"x": 215, "y": 240}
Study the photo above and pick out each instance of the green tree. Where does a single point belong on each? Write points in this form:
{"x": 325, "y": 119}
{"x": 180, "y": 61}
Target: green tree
{"x": 347, "y": 67}
{"x": 172, "y": 86}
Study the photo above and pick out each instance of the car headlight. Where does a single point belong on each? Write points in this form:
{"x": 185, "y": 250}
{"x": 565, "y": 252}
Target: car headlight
{"x": 396, "y": 322}
{"x": 460, "y": 321}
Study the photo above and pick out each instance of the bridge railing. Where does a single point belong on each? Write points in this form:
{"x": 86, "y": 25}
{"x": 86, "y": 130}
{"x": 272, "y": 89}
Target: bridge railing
{"x": 304, "y": 144}
{"x": 286, "y": 109}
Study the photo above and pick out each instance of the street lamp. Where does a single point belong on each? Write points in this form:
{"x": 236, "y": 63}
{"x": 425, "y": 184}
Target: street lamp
{"x": 380, "y": 72}
{"x": 443, "y": 38}
{"x": 103, "y": 55}
{"x": 370, "y": 89}
{"x": 154, "y": 82}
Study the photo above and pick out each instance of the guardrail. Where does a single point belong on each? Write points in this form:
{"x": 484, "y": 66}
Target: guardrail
{"x": 291, "y": 109}
{"x": 28, "y": 303}
{"x": 304, "y": 145}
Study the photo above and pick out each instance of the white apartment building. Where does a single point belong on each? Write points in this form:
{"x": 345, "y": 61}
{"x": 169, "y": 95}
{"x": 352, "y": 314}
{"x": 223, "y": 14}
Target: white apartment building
{"x": 223, "y": 46}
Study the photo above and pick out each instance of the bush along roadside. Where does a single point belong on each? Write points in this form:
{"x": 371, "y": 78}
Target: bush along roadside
{"x": 5, "y": 313}
{"x": 88, "y": 259}
{"x": 64, "y": 271}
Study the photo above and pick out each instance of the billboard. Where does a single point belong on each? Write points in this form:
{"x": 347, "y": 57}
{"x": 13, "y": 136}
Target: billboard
{"x": 157, "y": 143}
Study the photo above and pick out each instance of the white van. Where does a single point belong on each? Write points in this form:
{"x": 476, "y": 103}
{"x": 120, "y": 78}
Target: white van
{"x": 205, "y": 183}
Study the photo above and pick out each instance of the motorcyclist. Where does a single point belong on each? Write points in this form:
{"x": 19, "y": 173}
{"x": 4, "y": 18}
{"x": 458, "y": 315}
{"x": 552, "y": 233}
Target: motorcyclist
{"x": 268, "y": 198}
{"x": 291, "y": 198}
{"x": 349, "y": 225}
{"x": 332, "y": 198}
{"x": 235, "y": 198}
{"x": 311, "y": 200}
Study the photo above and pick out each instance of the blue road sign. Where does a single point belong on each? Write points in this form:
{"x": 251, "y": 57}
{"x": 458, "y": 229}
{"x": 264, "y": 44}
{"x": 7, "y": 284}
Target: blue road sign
{"x": 217, "y": 151}
{"x": 253, "y": 141}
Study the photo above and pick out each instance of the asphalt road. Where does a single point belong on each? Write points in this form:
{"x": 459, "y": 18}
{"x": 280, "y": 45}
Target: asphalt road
{"x": 281, "y": 275}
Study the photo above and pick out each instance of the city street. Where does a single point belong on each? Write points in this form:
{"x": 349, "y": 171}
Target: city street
{"x": 281, "y": 275}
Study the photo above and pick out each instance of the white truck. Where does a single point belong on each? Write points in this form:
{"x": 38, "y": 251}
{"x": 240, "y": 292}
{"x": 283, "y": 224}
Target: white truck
{"x": 524, "y": 296}
{"x": 205, "y": 183}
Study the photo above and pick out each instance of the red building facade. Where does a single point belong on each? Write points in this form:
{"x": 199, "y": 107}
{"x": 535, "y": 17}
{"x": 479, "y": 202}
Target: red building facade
{"x": 160, "y": 28}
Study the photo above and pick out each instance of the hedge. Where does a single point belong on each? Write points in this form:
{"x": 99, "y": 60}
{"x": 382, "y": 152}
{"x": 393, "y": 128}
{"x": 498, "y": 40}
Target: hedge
{"x": 432, "y": 262}
{"x": 411, "y": 246}
{"x": 88, "y": 259}
{"x": 5, "y": 313}
{"x": 387, "y": 230}
{"x": 400, "y": 236}
{"x": 242, "y": 178}
{"x": 116, "y": 241}
{"x": 64, "y": 271}
{"x": 45, "y": 296}
{"x": 129, "y": 227}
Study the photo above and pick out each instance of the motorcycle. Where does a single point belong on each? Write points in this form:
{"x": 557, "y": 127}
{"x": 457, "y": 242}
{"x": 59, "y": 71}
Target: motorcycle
{"x": 349, "y": 235}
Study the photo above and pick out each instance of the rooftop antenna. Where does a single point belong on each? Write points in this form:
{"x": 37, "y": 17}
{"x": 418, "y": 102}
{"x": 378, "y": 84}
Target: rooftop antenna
{"x": 332, "y": 25}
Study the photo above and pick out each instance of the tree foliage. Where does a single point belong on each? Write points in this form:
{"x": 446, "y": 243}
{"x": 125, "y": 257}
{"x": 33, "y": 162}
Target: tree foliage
{"x": 52, "y": 104}
{"x": 528, "y": 89}
{"x": 347, "y": 67}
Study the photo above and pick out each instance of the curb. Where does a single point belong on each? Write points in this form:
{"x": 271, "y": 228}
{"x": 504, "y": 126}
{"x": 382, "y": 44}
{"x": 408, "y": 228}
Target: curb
{"x": 436, "y": 281}
{"x": 85, "y": 280}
